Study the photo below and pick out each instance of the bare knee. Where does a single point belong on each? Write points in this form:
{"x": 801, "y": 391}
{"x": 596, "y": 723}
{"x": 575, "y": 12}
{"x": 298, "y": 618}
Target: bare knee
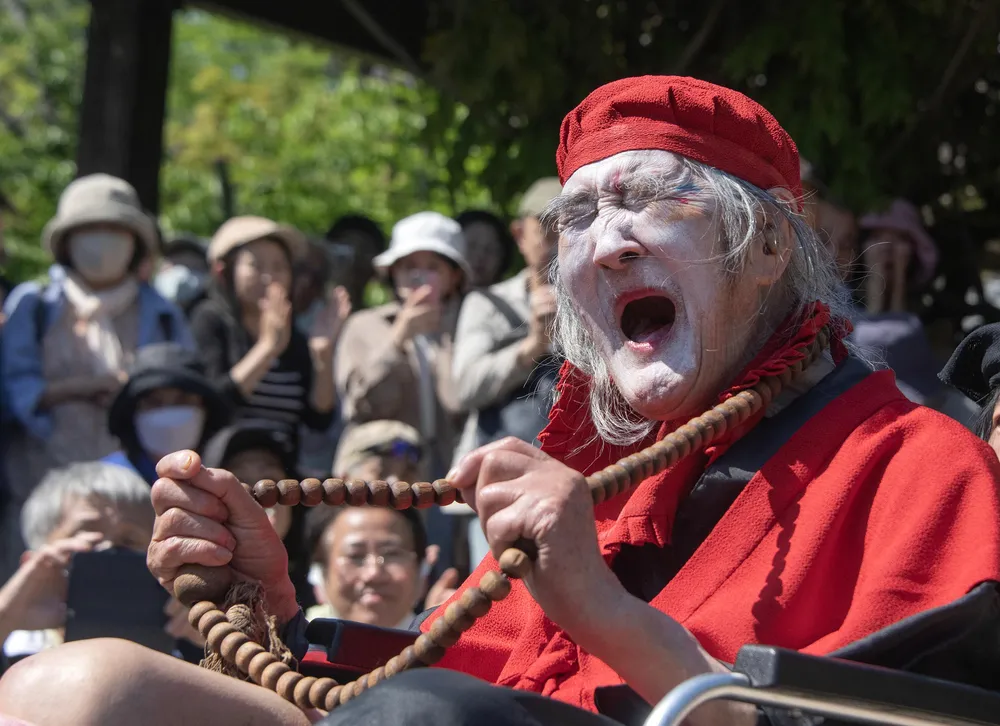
{"x": 71, "y": 679}
{"x": 116, "y": 682}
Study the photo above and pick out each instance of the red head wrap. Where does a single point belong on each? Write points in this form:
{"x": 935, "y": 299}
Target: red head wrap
{"x": 701, "y": 121}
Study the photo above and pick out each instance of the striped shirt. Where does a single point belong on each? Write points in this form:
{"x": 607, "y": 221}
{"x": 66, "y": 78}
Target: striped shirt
{"x": 280, "y": 402}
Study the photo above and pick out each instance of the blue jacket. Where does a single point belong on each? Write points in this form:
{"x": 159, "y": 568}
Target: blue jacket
{"x": 21, "y": 378}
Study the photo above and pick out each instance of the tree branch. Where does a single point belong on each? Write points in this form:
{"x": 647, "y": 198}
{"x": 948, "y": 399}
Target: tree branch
{"x": 699, "y": 39}
{"x": 976, "y": 24}
{"x": 380, "y": 34}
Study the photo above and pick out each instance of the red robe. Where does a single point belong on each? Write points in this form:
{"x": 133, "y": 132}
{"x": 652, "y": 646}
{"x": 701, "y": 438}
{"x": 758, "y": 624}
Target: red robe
{"x": 873, "y": 511}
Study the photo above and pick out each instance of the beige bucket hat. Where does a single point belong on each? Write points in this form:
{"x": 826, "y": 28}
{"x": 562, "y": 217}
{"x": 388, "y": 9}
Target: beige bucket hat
{"x": 426, "y": 232}
{"x": 358, "y": 440}
{"x": 538, "y": 196}
{"x": 240, "y": 231}
{"x": 99, "y": 199}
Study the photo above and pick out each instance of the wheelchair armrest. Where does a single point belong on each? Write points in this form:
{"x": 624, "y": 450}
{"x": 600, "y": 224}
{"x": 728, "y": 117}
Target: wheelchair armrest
{"x": 838, "y": 681}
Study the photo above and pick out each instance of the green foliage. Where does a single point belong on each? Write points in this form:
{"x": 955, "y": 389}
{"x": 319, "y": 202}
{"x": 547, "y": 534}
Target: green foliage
{"x": 885, "y": 98}
{"x": 862, "y": 85}
{"x": 305, "y": 133}
{"x": 41, "y": 82}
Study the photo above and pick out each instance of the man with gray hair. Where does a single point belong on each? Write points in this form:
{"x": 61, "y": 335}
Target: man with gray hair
{"x": 809, "y": 505}
{"x": 79, "y": 508}
{"x": 503, "y": 370}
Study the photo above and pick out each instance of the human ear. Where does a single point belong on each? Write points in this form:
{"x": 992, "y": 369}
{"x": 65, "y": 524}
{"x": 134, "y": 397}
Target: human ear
{"x": 774, "y": 246}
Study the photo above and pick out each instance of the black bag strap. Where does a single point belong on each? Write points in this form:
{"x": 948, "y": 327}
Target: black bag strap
{"x": 514, "y": 319}
{"x": 166, "y": 321}
{"x": 40, "y": 316}
{"x": 737, "y": 466}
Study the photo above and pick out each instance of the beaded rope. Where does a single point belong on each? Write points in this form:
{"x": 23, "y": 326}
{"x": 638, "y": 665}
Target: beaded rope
{"x": 200, "y": 587}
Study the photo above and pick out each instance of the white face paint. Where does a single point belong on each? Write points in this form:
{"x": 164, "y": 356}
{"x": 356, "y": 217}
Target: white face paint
{"x": 640, "y": 260}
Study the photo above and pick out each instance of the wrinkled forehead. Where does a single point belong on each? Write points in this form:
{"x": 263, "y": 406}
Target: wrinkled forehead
{"x": 620, "y": 169}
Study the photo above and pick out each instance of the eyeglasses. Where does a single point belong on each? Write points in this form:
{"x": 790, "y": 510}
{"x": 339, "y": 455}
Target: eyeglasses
{"x": 383, "y": 560}
{"x": 397, "y": 449}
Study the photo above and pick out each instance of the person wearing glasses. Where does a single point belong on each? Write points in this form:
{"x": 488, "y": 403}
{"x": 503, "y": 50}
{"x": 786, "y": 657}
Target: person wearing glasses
{"x": 371, "y": 564}
{"x": 368, "y": 561}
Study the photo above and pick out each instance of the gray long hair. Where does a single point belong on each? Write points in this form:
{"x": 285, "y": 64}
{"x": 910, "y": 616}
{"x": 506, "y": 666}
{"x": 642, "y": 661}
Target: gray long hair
{"x": 743, "y": 212}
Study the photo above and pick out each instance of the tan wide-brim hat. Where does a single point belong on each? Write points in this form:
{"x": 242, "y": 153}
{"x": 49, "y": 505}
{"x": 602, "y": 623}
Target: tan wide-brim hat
{"x": 99, "y": 199}
{"x": 240, "y": 231}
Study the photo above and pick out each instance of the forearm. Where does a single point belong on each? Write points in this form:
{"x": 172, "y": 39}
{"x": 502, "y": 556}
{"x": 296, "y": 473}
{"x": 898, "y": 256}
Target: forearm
{"x": 653, "y": 653}
{"x": 251, "y": 368}
{"x": 323, "y": 395}
{"x": 11, "y": 613}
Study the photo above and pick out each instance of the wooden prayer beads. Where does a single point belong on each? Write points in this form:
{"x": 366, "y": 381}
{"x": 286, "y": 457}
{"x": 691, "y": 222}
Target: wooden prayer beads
{"x": 201, "y": 587}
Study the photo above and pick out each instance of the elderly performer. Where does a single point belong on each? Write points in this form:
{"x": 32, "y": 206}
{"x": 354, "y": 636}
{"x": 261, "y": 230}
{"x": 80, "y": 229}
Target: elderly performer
{"x": 685, "y": 273}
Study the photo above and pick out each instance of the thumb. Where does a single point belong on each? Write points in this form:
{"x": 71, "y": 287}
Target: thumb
{"x": 448, "y": 579}
{"x": 186, "y": 466}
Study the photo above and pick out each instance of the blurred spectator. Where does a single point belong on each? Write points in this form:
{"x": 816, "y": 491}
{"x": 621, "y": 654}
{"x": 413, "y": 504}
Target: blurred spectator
{"x": 183, "y": 274}
{"x": 900, "y": 258}
{"x": 489, "y": 246}
{"x": 974, "y": 369}
{"x": 312, "y": 289}
{"x": 394, "y": 361}
{"x": 167, "y": 405}
{"x": 310, "y": 279}
{"x": 369, "y": 564}
{"x": 381, "y": 450}
{"x": 253, "y": 453}
{"x": 66, "y": 345}
{"x": 503, "y": 332}
{"x": 80, "y": 508}
{"x": 275, "y": 377}
{"x": 502, "y": 370}
{"x": 899, "y": 255}
{"x": 355, "y": 241}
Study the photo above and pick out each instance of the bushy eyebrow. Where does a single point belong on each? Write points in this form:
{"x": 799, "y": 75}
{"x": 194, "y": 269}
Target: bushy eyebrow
{"x": 635, "y": 189}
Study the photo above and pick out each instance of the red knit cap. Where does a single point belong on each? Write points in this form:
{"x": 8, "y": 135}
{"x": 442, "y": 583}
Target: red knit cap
{"x": 708, "y": 123}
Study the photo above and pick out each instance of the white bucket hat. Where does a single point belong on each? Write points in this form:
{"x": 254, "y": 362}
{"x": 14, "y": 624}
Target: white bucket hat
{"x": 99, "y": 199}
{"x": 426, "y": 232}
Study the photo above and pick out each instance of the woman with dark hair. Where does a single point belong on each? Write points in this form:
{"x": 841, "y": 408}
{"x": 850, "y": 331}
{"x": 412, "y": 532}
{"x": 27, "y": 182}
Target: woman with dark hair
{"x": 974, "y": 369}
{"x": 274, "y": 375}
{"x": 489, "y": 245}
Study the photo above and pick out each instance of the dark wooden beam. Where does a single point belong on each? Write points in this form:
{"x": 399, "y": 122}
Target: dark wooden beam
{"x": 124, "y": 95}
{"x": 405, "y": 23}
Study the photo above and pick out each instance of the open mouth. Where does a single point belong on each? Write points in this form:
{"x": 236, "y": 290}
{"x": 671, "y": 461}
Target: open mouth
{"x": 647, "y": 318}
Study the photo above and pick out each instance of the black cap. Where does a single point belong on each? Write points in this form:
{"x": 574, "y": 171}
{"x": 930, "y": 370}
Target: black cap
{"x": 241, "y": 437}
{"x": 974, "y": 367}
{"x": 165, "y": 365}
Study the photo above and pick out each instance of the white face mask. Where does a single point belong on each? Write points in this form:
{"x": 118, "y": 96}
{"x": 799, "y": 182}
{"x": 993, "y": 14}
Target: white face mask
{"x": 101, "y": 256}
{"x": 164, "y": 430}
{"x": 180, "y": 284}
